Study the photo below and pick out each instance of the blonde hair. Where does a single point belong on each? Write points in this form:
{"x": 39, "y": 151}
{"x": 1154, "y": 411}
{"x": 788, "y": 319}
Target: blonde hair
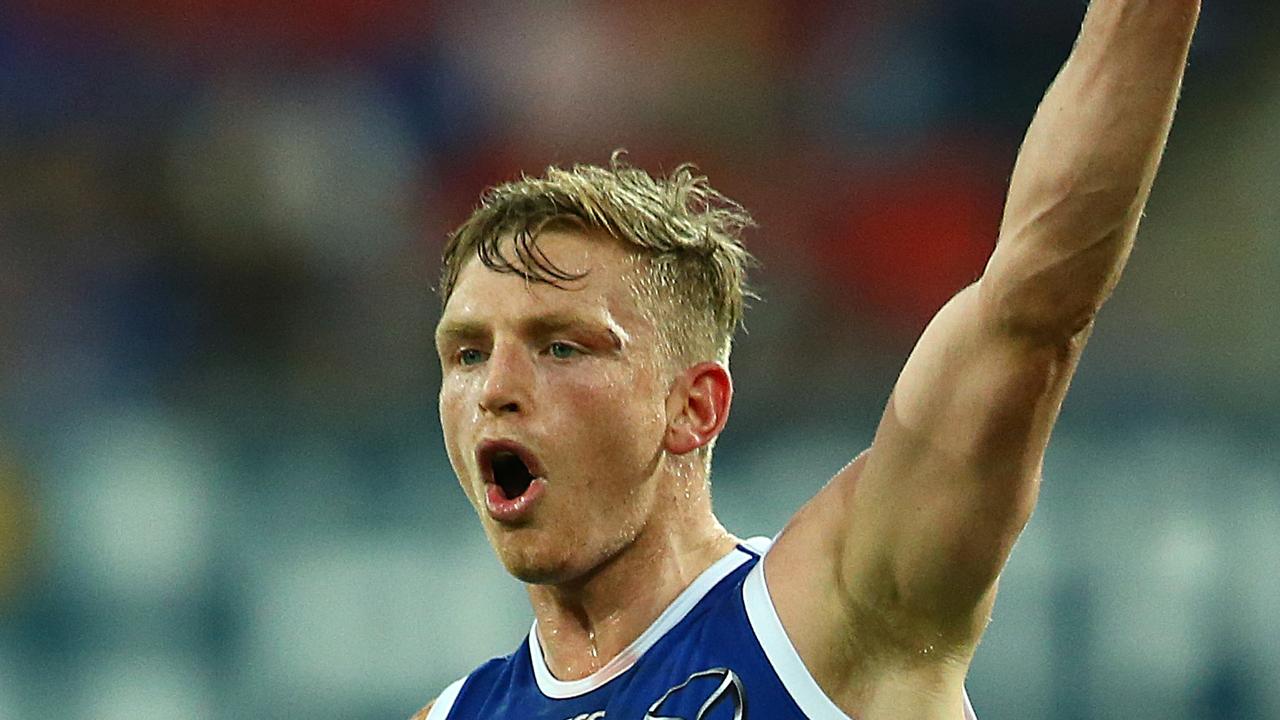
{"x": 688, "y": 234}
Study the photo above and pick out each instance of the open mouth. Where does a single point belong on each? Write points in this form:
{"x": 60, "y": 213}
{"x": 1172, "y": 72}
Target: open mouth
{"x": 510, "y": 474}
{"x": 509, "y": 468}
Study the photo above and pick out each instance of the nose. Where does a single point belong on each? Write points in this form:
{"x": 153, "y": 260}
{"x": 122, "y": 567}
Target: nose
{"x": 508, "y": 377}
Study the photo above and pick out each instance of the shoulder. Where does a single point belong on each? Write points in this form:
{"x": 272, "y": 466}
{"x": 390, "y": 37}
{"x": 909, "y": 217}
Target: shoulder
{"x": 424, "y": 712}
{"x": 440, "y": 708}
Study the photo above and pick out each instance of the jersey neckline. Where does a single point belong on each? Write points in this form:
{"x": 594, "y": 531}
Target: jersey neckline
{"x": 685, "y": 602}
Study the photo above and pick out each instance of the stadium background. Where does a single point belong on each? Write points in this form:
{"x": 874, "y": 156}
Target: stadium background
{"x": 223, "y": 492}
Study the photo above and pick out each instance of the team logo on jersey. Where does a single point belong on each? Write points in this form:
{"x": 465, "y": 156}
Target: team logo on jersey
{"x": 715, "y": 694}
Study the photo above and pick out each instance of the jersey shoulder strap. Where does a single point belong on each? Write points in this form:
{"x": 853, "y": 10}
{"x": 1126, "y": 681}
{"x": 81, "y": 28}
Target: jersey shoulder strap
{"x": 444, "y": 703}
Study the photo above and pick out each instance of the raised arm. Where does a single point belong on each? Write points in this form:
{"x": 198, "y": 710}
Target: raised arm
{"x": 919, "y": 527}
{"x": 1086, "y": 168}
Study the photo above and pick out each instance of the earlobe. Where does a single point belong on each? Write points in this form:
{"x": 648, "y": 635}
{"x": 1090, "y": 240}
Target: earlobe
{"x": 697, "y": 407}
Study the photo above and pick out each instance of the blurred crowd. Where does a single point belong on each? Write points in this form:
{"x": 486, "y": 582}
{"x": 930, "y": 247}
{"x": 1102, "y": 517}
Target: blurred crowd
{"x": 222, "y": 488}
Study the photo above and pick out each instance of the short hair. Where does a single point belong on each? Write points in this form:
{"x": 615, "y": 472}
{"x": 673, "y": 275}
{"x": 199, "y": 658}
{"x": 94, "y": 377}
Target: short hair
{"x": 689, "y": 234}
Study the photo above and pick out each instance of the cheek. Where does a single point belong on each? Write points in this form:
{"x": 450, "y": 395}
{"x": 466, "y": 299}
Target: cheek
{"x": 453, "y": 420}
{"x": 624, "y": 421}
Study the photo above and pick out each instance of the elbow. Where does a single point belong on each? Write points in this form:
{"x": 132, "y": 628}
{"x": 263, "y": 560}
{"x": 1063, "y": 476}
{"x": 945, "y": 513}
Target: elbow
{"x": 1051, "y": 273}
{"x": 1052, "y": 307}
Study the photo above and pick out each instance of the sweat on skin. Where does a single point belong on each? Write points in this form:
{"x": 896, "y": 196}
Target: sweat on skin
{"x": 886, "y": 579}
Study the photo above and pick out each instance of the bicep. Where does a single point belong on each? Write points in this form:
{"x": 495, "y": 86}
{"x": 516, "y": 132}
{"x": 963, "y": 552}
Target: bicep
{"x": 951, "y": 478}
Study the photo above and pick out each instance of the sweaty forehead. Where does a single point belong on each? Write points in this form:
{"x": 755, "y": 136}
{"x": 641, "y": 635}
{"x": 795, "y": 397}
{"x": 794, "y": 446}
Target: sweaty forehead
{"x": 603, "y": 294}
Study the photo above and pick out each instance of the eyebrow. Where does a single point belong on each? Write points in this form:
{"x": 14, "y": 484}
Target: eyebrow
{"x": 464, "y": 330}
{"x": 460, "y": 330}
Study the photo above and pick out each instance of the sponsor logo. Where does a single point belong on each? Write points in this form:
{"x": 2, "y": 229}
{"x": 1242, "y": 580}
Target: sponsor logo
{"x": 715, "y": 694}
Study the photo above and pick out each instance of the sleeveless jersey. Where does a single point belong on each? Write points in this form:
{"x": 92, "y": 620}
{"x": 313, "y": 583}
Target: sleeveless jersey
{"x": 718, "y": 652}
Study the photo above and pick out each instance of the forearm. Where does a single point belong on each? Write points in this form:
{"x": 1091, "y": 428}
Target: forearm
{"x": 1087, "y": 165}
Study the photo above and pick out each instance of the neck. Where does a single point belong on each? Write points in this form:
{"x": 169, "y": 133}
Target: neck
{"x": 584, "y": 624}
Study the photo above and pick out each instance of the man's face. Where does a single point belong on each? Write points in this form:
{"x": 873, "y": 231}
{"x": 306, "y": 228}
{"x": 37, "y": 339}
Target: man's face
{"x": 553, "y": 406}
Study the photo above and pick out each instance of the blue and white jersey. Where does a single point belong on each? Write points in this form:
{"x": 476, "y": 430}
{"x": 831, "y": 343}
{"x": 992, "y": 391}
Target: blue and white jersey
{"x": 718, "y": 652}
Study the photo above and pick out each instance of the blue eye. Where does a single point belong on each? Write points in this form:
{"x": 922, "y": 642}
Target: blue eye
{"x": 561, "y": 351}
{"x": 470, "y": 356}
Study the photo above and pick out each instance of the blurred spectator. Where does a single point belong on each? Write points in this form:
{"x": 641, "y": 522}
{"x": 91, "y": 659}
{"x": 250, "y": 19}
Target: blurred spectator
{"x": 224, "y": 493}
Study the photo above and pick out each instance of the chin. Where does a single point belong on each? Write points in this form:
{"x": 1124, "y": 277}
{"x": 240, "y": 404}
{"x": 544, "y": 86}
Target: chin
{"x": 535, "y": 575}
{"x": 533, "y": 558}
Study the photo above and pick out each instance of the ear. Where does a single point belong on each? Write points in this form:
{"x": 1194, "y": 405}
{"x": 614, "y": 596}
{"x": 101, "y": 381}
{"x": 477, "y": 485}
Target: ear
{"x": 697, "y": 407}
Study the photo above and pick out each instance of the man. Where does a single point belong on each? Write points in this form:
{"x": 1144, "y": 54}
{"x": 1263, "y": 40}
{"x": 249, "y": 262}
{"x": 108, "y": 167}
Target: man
{"x": 584, "y": 345}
